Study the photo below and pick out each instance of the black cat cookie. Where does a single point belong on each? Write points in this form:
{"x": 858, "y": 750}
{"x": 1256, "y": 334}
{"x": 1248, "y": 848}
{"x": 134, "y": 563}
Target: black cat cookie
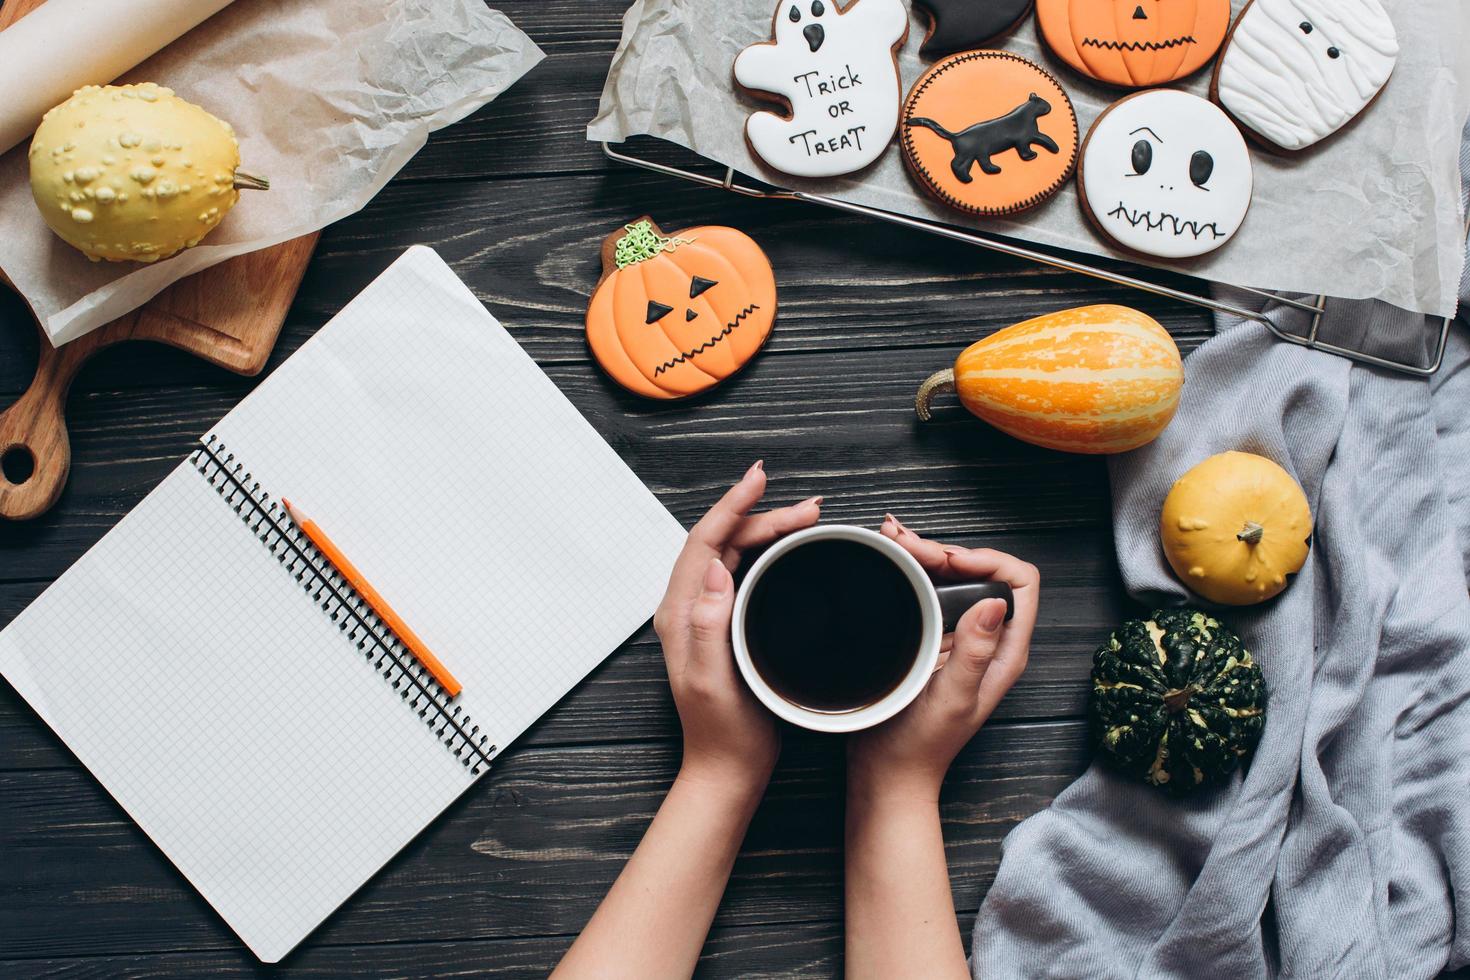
{"x": 988, "y": 132}
{"x": 963, "y": 25}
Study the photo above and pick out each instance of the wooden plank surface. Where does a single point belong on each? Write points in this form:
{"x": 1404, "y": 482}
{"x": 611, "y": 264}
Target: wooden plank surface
{"x": 517, "y": 202}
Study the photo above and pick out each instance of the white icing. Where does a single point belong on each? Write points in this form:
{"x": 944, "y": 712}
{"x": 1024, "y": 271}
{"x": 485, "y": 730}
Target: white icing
{"x": 1161, "y": 211}
{"x": 1279, "y": 80}
{"x": 844, "y": 96}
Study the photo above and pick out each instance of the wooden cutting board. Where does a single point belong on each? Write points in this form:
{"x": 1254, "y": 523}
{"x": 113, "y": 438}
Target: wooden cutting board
{"x": 229, "y": 314}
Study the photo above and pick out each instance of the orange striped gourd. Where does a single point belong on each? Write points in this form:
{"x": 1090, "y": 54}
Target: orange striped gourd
{"x": 1095, "y": 379}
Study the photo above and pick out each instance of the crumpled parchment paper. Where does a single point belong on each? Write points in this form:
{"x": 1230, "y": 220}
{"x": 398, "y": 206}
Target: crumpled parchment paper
{"x": 329, "y": 100}
{"x": 1371, "y": 212}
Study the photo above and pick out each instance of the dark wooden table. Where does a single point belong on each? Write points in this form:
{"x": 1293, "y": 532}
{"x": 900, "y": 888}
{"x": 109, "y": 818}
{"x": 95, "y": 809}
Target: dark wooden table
{"x": 517, "y": 201}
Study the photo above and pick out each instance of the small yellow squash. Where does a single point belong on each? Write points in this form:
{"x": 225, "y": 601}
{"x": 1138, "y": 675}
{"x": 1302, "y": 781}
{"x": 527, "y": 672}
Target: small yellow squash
{"x": 1095, "y": 379}
{"x": 133, "y": 172}
{"x": 1234, "y": 527}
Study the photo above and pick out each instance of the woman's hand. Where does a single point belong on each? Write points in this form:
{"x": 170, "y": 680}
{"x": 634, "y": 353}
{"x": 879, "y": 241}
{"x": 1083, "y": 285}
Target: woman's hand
{"x": 655, "y": 919}
{"x": 730, "y": 740}
{"x": 981, "y": 660}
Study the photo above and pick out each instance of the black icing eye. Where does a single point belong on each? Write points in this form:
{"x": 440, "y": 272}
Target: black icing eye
{"x": 1201, "y": 165}
{"x": 817, "y": 8}
{"x": 1306, "y": 26}
{"x": 795, "y": 15}
{"x": 1143, "y": 156}
{"x": 1333, "y": 53}
{"x": 699, "y": 284}
{"x": 657, "y": 311}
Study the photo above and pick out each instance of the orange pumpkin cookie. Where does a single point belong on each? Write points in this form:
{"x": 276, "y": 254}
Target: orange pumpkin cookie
{"x": 989, "y": 132}
{"x": 1134, "y": 43}
{"x": 674, "y": 315}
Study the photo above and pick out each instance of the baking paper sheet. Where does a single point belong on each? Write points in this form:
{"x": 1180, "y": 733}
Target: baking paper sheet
{"x": 1373, "y": 211}
{"x": 329, "y": 99}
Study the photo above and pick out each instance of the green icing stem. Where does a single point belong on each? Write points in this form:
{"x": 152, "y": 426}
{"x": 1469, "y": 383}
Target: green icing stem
{"x": 641, "y": 243}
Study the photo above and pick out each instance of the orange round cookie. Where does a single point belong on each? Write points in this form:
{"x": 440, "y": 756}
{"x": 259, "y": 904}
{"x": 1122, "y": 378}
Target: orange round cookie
{"x": 989, "y": 132}
{"x": 1134, "y": 43}
{"x": 674, "y": 315}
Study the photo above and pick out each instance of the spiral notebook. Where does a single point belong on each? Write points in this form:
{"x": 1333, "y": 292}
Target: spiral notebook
{"x": 243, "y": 705}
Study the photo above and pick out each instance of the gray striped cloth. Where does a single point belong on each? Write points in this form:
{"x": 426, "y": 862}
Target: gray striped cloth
{"x": 1345, "y": 848}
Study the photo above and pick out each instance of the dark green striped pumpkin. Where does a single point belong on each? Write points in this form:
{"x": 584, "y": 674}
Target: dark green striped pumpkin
{"x": 1176, "y": 700}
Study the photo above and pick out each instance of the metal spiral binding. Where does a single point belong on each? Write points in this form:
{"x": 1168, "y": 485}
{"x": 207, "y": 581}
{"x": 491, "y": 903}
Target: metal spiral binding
{"x": 267, "y": 520}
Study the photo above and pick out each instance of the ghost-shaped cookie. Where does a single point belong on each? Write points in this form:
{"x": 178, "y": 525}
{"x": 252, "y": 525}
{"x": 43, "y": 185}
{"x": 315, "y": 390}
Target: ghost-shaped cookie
{"x": 1296, "y": 71}
{"x": 835, "y": 70}
{"x": 1165, "y": 173}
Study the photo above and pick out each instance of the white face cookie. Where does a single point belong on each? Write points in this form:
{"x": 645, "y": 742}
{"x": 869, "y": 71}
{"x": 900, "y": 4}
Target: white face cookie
{"x": 1166, "y": 173}
{"x": 836, "y": 70}
{"x": 1295, "y": 71}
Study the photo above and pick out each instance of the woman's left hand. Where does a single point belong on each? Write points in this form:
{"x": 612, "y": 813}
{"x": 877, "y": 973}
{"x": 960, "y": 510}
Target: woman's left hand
{"x": 729, "y": 739}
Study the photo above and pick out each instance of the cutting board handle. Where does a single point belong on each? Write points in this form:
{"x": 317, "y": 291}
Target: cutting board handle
{"x": 33, "y": 430}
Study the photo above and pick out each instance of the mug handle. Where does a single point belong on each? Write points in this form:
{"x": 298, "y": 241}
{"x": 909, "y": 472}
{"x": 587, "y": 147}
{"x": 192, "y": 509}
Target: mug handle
{"x": 955, "y": 599}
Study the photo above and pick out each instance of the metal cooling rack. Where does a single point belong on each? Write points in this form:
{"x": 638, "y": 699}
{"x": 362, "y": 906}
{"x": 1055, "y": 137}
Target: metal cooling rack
{"x": 1311, "y": 339}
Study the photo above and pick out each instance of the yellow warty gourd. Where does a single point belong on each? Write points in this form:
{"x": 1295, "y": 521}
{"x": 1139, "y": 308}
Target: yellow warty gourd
{"x": 1235, "y": 527}
{"x": 133, "y": 172}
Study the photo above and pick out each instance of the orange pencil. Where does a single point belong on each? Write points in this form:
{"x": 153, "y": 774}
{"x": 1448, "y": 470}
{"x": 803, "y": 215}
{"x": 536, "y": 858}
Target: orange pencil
{"x": 375, "y": 600}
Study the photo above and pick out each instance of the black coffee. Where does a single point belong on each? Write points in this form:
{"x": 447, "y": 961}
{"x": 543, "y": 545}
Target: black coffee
{"x": 833, "y": 625}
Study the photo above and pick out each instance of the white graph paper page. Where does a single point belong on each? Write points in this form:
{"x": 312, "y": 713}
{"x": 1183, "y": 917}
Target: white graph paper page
{"x": 228, "y": 715}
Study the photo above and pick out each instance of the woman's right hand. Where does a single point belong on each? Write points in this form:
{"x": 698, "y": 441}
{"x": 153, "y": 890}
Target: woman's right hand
{"x": 910, "y": 753}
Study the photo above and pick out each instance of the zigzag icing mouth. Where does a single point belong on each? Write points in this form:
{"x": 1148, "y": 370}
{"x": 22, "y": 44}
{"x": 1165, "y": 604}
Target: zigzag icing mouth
{"x": 687, "y": 355}
{"x": 1092, "y": 42}
{"x": 1179, "y": 225}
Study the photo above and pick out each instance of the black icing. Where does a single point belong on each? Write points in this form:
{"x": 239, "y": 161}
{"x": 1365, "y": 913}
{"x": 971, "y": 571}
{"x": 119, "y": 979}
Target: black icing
{"x": 1143, "y": 156}
{"x": 1306, "y": 26}
{"x": 1201, "y": 165}
{"x": 1333, "y": 53}
{"x": 1138, "y": 13}
{"x": 657, "y": 311}
{"x": 817, "y": 8}
{"x": 1016, "y": 130}
{"x": 960, "y": 25}
{"x": 699, "y": 284}
{"x": 689, "y": 315}
{"x": 814, "y": 35}
{"x": 795, "y": 15}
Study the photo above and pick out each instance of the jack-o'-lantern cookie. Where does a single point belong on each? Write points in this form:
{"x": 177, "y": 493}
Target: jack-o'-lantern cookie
{"x": 835, "y": 70}
{"x": 1296, "y": 71}
{"x": 963, "y": 25}
{"x": 989, "y": 132}
{"x": 1134, "y": 43}
{"x": 1165, "y": 173}
{"x": 674, "y": 315}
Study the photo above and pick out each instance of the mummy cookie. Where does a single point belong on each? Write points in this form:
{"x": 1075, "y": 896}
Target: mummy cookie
{"x": 674, "y": 315}
{"x": 835, "y": 71}
{"x": 1296, "y": 71}
{"x": 1134, "y": 43}
{"x": 988, "y": 132}
{"x": 961, "y": 25}
{"x": 1165, "y": 173}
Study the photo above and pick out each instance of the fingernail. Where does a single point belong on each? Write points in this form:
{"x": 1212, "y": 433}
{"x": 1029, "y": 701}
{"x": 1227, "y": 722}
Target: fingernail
{"x": 755, "y": 468}
{"x": 813, "y": 500}
{"x": 992, "y": 614}
{"x": 954, "y": 549}
{"x": 889, "y": 525}
{"x": 715, "y": 577}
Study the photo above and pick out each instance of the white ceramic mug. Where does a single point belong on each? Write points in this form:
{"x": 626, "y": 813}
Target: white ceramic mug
{"x": 940, "y": 608}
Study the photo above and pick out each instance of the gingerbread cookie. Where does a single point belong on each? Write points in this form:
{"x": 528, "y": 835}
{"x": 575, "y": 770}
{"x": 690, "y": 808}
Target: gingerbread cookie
{"x": 1296, "y": 71}
{"x": 1165, "y": 173}
{"x": 989, "y": 132}
{"x": 674, "y": 315}
{"x": 835, "y": 70}
{"x": 963, "y": 25}
{"x": 1134, "y": 43}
